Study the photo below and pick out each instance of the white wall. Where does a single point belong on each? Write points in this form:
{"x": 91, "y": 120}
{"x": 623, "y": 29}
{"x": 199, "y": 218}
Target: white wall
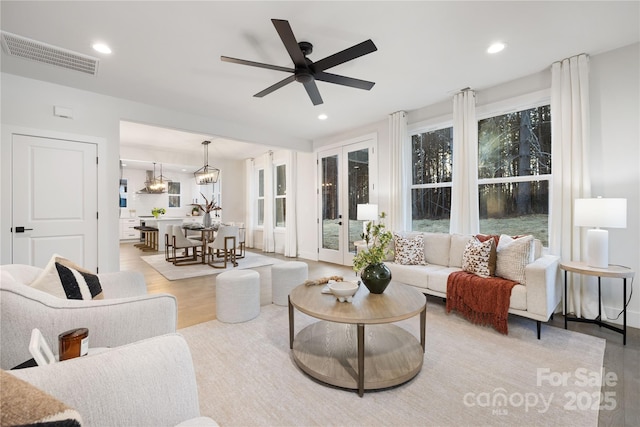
{"x": 615, "y": 161}
{"x": 28, "y": 104}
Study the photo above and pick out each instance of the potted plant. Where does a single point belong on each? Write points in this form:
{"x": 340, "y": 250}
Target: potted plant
{"x": 369, "y": 262}
{"x": 207, "y": 207}
{"x": 156, "y": 212}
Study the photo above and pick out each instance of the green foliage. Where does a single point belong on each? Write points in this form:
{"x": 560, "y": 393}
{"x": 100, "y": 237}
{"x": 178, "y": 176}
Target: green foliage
{"x": 377, "y": 238}
{"x": 158, "y": 211}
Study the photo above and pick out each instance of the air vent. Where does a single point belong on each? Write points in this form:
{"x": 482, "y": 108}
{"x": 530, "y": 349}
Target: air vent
{"x": 23, "y": 47}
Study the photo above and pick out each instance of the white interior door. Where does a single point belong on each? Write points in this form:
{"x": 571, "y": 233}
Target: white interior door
{"x": 346, "y": 176}
{"x": 54, "y": 201}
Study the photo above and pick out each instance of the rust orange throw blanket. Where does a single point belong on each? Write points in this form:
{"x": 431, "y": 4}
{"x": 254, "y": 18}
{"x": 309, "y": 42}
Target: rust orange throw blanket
{"x": 483, "y": 301}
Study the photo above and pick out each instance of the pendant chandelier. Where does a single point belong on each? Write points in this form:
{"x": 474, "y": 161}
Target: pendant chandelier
{"x": 206, "y": 174}
{"x": 158, "y": 184}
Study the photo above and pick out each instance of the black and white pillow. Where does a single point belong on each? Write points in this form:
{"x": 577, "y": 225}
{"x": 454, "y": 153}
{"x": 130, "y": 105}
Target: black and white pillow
{"x": 63, "y": 279}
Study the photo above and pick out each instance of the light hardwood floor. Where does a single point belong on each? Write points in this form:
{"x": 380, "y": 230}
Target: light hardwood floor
{"x": 196, "y": 304}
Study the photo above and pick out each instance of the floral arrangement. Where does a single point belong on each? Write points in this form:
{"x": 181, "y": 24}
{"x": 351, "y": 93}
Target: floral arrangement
{"x": 207, "y": 207}
{"x": 377, "y": 238}
{"x": 158, "y": 211}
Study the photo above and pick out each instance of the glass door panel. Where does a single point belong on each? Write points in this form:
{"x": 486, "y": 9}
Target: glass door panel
{"x": 330, "y": 204}
{"x": 358, "y": 173}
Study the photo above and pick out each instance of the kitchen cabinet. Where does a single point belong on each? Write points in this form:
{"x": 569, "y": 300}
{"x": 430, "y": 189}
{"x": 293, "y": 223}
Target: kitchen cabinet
{"x": 127, "y": 232}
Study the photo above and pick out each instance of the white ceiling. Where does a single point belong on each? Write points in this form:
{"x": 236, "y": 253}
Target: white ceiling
{"x": 167, "y": 53}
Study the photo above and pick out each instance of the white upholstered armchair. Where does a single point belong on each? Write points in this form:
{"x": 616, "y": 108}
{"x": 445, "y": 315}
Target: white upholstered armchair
{"x": 148, "y": 383}
{"x": 125, "y": 315}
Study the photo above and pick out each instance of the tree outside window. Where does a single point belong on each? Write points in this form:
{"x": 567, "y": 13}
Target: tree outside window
{"x": 260, "y": 197}
{"x": 431, "y": 162}
{"x": 281, "y": 195}
{"x": 514, "y": 170}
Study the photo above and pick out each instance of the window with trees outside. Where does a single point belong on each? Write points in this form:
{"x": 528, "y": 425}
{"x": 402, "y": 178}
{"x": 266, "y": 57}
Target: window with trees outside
{"x": 281, "y": 195}
{"x": 260, "y": 197}
{"x": 432, "y": 161}
{"x": 514, "y": 171}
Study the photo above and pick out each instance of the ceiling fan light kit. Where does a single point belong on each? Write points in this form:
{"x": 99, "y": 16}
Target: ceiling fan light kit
{"x": 306, "y": 71}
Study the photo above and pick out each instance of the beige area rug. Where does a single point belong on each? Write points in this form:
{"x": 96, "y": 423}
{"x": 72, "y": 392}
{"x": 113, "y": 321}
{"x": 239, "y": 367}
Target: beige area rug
{"x": 172, "y": 272}
{"x": 471, "y": 375}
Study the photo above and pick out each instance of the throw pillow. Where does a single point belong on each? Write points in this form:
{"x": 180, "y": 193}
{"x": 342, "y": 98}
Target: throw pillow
{"x": 409, "y": 250}
{"x": 479, "y": 257}
{"x": 25, "y": 404}
{"x": 513, "y": 256}
{"x": 63, "y": 279}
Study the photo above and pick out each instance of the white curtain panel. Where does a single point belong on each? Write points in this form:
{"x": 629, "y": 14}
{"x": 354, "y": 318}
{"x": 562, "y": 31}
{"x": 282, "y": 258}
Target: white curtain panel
{"x": 464, "y": 193}
{"x": 570, "y": 169}
{"x": 268, "y": 239}
{"x": 398, "y": 141}
{"x": 291, "y": 226}
{"x": 250, "y": 194}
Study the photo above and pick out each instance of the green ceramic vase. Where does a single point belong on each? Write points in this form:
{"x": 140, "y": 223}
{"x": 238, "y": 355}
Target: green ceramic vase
{"x": 376, "y": 277}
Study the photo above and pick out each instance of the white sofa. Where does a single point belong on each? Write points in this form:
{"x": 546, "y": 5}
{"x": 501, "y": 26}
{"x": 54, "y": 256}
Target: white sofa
{"x": 148, "y": 383}
{"x": 125, "y": 315}
{"x": 536, "y": 299}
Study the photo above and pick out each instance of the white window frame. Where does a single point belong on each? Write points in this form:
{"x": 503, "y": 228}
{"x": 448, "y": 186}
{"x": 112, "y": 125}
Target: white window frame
{"x": 511, "y": 105}
{"x": 426, "y": 126}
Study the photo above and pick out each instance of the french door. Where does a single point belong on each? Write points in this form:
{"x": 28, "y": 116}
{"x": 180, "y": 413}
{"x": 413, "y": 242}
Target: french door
{"x": 346, "y": 176}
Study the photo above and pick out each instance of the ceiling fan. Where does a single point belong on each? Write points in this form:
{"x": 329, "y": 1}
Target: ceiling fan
{"x": 306, "y": 71}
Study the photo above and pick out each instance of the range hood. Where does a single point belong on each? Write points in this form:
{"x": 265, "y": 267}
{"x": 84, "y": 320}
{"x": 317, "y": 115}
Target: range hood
{"x": 147, "y": 188}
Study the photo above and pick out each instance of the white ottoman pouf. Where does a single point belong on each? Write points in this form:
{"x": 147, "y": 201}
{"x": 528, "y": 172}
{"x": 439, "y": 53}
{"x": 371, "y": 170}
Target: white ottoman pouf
{"x": 237, "y": 296}
{"x": 284, "y": 277}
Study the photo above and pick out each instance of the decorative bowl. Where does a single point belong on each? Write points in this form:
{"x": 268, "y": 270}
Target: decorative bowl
{"x": 344, "y": 291}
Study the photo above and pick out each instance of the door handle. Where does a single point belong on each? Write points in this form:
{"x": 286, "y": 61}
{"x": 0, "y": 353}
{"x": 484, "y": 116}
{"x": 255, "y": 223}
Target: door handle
{"x": 339, "y": 223}
{"x": 22, "y": 229}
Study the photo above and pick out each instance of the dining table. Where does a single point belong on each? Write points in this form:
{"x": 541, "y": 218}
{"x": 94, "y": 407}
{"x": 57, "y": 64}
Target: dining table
{"x": 207, "y": 235}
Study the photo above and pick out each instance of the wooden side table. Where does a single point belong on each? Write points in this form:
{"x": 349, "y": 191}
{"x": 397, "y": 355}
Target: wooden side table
{"x": 613, "y": 271}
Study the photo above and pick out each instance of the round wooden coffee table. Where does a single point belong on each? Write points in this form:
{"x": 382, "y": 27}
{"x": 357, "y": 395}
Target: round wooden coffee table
{"x": 337, "y": 351}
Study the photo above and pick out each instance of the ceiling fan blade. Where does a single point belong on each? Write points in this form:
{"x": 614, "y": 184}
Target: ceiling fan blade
{"x": 342, "y": 80}
{"x": 341, "y": 57}
{"x": 314, "y": 93}
{"x": 290, "y": 43}
{"x": 256, "y": 64}
{"x": 276, "y": 86}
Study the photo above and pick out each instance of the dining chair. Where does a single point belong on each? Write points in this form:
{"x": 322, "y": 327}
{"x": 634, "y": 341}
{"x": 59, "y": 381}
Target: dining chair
{"x": 226, "y": 242}
{"x": 181, "y": 242}
{"x": 241, "y": 239}
{"x": 168, "y": 243}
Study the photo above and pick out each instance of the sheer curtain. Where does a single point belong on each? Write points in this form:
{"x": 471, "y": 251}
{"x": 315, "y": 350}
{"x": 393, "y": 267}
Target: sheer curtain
{"x": 570, "y": 146}
{"x": 291, "y": 223}
{"x": 250, "y": 197}
{"x": 399, "y": 210}
{"x": 268, "y": 239}
{"x": 464, "y": 193}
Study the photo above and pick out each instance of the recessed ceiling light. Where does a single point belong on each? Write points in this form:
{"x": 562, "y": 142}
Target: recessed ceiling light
{"x": 102, "y": 48}
{"x": 323, "y": 117}
{"x": 496, "y": 47}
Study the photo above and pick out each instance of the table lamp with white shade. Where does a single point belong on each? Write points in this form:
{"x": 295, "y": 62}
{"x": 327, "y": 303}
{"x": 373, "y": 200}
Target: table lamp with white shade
{"x": 367, "y": 213}
{"x": 599, "y": 213}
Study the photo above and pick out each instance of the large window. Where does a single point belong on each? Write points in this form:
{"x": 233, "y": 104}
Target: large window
{"x": 260, "y": 197}
{"x": 514, "y": 169}
{"x": 281, "y": 195}
{"x": 431, "y": 162}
